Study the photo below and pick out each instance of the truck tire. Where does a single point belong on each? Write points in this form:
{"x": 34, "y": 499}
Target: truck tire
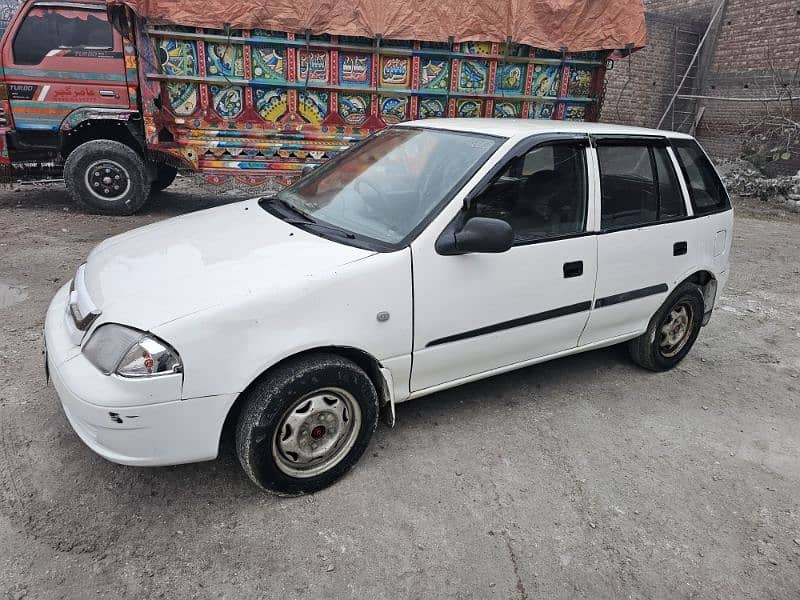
{"x": 107, "y": 178}
{"x": 306, "y": 423}
{"x": 165, "y": 175}
{"x": 672, "y": 330}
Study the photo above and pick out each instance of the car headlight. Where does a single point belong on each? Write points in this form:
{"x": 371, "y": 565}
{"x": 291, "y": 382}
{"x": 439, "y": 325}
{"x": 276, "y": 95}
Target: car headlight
{"x": 130, "y": 353}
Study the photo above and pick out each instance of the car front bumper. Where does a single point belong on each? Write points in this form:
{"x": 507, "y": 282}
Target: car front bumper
{"x": 139, "y": 422}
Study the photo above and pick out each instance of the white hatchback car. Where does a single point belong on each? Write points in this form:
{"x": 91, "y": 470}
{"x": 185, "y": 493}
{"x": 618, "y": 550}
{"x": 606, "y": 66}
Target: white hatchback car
{"x": 432, "y": 254}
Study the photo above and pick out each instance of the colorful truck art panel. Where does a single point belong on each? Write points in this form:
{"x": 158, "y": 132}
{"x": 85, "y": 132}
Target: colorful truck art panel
{"x": 310, "y": 98}
{"x": 473, "y": 76}
{"x": 394, "y": 109}
{"x": 510, "y": 78}
{"x": 507, "y": 110}
{"x": 227, "y": 100}
{"x": 312, "y": 67}
{"x": 354, "y": 69}
{"x": 580, "y": 82}
{"x": 225, "y": 60}
{"x": 430, "y": 108}
{"x": 313, "y": 106}
{"x": 178, "y": 58}
{"x": 354, "y": 109}
{"x": 269, "y": 63}
{"x": 271, "y": 104}
{"x": 395, "y": 70}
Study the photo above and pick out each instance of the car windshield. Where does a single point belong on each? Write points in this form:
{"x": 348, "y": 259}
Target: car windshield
{"x": 384, "y": 187}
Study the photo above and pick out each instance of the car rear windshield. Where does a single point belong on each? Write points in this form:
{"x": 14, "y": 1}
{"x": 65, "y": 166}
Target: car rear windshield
{"x": 705, "y": 187}
{"x": 386, "y": 187}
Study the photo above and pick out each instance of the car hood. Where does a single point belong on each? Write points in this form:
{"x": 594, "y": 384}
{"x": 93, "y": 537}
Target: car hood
{"x": 162, "y": 272}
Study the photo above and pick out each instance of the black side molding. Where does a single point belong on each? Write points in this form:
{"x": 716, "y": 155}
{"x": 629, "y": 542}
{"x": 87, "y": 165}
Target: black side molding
{"x": 535, "y": 318}
{"x": 632, "y": 295}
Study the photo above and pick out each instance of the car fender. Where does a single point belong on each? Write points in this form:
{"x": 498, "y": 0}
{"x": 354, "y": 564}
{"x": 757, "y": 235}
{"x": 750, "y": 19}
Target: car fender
{"x": 227, "y": 347}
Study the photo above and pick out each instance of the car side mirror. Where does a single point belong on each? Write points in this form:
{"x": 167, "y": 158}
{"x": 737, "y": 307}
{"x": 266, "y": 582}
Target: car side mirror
{"x": 478, "y": 234}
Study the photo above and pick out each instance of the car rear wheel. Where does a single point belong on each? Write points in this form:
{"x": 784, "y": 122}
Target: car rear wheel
{"x": 672, "y": 330}
{"x": 305, "y": 424}
{"x": 107, "y": 177}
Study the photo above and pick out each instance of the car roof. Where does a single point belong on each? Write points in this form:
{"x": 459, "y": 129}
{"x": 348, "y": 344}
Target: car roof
{"x": 510, "y": 128}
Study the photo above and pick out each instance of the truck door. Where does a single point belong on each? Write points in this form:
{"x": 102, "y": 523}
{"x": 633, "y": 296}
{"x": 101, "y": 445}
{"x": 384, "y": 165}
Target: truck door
{"x": 59, "y": 57}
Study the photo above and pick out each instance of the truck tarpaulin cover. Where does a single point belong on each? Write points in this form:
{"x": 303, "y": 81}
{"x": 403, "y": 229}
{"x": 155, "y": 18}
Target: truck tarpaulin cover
{"x": 575, "y": 25}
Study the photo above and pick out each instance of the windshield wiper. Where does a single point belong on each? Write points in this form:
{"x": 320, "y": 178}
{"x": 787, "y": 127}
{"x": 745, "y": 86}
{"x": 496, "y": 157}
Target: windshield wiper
{"x": 307, "y": 221}
{"x": 312, "y": 223}
{"x": 288, "y": 206}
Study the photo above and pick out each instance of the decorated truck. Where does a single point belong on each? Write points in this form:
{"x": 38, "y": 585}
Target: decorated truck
{"x": 118, "y": 96}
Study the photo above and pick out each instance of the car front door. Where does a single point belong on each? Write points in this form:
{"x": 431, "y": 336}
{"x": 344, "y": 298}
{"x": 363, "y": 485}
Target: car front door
{"x": 479, "y": 312}
{"x": 647, "y": 242}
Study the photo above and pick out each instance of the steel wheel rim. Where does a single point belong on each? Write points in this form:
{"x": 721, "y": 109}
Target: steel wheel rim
{"x": 316, "y": 432}
{"x": 107, "y": 180}
{"x": 676, "y": 329}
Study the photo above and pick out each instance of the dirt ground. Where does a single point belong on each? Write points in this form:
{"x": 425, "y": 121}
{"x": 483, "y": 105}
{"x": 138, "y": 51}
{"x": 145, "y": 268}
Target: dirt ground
{"x": 582, "y": 478}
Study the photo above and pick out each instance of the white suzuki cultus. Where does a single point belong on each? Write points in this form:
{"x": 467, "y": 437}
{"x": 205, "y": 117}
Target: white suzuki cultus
{"x": 432, "y": 254}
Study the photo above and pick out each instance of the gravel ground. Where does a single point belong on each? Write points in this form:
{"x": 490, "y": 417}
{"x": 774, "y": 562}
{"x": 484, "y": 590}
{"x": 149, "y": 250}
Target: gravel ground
{"x": 582, "y": 478}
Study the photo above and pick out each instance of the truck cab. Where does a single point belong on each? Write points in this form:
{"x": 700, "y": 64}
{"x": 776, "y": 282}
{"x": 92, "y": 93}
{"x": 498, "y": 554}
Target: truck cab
{"x": 64, "y": 84}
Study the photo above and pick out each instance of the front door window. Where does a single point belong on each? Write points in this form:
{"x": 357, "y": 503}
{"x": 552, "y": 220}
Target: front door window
{"x": 541, "y": 195}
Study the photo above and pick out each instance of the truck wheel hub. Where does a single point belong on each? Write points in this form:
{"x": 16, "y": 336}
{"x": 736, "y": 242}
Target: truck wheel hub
{"x": 107, "y": 180}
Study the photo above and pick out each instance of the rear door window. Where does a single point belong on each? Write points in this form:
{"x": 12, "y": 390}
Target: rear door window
{"x": 628, "y": 185}
{"x": 638, "y": 185}
{"x": 670, "y": 204}
{"x": 705, "y": 188}
{"x": 50, "y": 31}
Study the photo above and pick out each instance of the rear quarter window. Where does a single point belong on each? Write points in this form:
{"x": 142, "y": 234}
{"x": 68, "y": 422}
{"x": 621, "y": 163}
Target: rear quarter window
{"x": 707, "y": 193}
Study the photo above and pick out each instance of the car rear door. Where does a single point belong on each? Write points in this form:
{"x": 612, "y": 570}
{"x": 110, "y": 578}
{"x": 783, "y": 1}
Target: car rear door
{"x": 61, "y": 56}
{"x": 474, "y": 313}
{"x": 647, "y": 240}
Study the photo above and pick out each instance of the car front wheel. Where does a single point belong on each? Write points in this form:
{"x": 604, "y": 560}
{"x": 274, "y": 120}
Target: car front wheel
{"x": 672, "y": 330}
{"x": 305, "y": 424}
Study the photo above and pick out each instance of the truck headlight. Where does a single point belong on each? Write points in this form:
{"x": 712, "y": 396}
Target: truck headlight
{"x": 130, "y": 353}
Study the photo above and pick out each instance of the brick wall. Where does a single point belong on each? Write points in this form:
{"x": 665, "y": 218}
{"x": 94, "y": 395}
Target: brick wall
{"x": 638, "y": 87}
{"x": 692, "y": 10}
{"x": 753, "y": 53}
{"x": 756, "y": 55}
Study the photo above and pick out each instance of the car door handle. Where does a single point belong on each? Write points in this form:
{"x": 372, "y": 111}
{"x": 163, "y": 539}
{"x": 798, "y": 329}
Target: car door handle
{"x": 573, "y": 269}
{"x": 679, "y": 248}
{"x": 109, "y": 93}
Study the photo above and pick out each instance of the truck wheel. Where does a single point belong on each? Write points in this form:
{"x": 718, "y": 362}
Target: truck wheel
{"x": 672, "y": 330}
{"x": 107, "y": 177}
{"x": 165, "y": 175}
{"x": 306, "y": 424}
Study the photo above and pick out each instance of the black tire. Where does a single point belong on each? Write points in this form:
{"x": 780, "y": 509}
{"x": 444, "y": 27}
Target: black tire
{"x": 653, "y": 350}
{"x": 274, "y": 400}
{"x": 107, "y": 178}
{"x": 165, "y": 175}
